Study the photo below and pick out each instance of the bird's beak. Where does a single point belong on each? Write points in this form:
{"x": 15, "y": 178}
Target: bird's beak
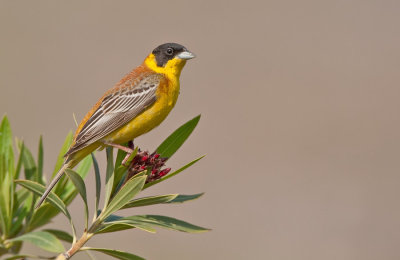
{"x": 185, "y": 55}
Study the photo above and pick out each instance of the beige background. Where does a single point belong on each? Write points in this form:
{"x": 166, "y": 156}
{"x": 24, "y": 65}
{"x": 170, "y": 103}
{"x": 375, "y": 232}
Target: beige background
{"x": 300, "y": 105}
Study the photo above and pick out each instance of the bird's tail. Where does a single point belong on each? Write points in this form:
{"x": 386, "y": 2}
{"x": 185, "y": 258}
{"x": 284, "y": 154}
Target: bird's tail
{"x": 53, "y": 183}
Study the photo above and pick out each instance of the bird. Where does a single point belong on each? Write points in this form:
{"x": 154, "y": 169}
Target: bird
{"x": 139, "y": 102}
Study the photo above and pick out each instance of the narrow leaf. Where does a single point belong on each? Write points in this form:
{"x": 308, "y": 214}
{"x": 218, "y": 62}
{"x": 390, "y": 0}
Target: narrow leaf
{"x": 109, "y": 175}
{"x": 42, "y": 216}
{"x": 114, "y": 227}
{"x": 21, "y": 147}
{"x": 177, "y": 138}
{"x": 84, "y": 167}
{"x": 39, "y": 177}
{"x": 183, "y": 198}
{"x": 115, "y": 253}
{"x": 39, "y": 189}
{"x": 120, "y": 157}
{"x": 60, "y": 234}
{"x": 166, "y": 222}
{"x": 63, "y": 151}
{"x": 43, "y": 240}
{"x": 20, "y": 213}
{"x": 112, "y": 218}
{"x": 52, "y": 198}
{"x": 119, "y": 173}
{"x": 67, "y": 189}
{"x": 98, "y": 182}
{"x": 80, "y": 186}
{"x": 5, "y": 218}
{"x": 127, "y": 192}
{"x": 123, "y": 223}
{"x": 120, "y": 170}
{"x": 29, "y": 165}
{"x": 5, "y": 138}
{"x": 146, "y": 201}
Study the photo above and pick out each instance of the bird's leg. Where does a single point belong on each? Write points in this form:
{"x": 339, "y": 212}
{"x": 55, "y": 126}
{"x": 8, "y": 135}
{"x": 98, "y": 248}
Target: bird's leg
{"x": 128, "y": 150}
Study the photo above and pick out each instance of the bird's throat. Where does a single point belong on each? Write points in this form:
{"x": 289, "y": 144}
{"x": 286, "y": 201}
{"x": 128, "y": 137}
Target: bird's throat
{"x": 172, "y": 69}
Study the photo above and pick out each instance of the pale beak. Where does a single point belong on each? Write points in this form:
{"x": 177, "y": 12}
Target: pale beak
{"x": 185, "y": 55}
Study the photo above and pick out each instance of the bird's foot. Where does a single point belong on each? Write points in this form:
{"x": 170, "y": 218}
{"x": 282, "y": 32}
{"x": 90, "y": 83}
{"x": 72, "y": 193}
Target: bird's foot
{"x": 125, "y": 160}
{"x": 129, "y": 150}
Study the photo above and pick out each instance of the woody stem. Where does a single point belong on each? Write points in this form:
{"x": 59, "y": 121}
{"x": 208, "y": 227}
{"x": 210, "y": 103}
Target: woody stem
{"x": 79, "y": 243}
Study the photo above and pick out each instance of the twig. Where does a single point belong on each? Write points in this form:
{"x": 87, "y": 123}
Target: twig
{"x": 79, "y": 243}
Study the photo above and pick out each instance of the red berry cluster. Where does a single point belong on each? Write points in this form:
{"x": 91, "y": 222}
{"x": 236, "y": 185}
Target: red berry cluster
{"x": 143, "y": 160}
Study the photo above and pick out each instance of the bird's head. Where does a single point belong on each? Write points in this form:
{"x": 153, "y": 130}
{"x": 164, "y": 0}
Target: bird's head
{"x": 169, "y": 59}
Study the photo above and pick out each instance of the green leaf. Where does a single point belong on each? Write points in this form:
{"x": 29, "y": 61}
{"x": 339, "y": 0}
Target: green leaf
{"x": 109, "y": 175}
{"x": 177, "y": 138}
{"x": 152, "y": 200}
{"x": 5, "y": 217}
{"x": 84, "y": 166}
{"x": 80, "y": 186}
{"x": 26, "y": 202}
{"x": 173, "y": 173}
{"x": 5, "y": 141}
{"x": 39, "y": 189}
{"x": 126, "y": 193}
{"x": 120, "y": 170}
{"x": 119, "y": 173}
{"x": 29, "y": 165}
{"x": 67, "y": 189}
{"x": 52, "y": 198}
{"x": 165, "y": 222}
{"x": 60, "y": 234}
{"x": 63, "y": 151}
{"x": 120, "y": 157}
{"x": 98, "y": 182}
{"x": 26, "y": 161}
{"x": 11, "y": 161}
{"x": 114, "y": 227}
{"x": 123, "y": 223}
{"x": 59, "y": 189}
{"x": 39, "y": 177}
{"x": 183, "y": 198}
{"x": 42, "y": 216}
{"x": 21, "y": 147}
{"x": 6, "y": 177}
{"x": 43, "y": 240}
{"x": 115, "y": 253}
{"x": 19, "y": 213}
{"x": 112, "y": 218}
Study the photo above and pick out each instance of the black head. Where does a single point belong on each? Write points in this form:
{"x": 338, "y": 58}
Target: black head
{"x": 168, "y": 51}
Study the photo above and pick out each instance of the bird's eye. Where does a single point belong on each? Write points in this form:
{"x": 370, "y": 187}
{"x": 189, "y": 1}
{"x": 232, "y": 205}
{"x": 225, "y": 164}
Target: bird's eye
{"x": 170, "y": 51}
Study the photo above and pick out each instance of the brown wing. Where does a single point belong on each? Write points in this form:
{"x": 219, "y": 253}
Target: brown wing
{"x": 116, "y": 110}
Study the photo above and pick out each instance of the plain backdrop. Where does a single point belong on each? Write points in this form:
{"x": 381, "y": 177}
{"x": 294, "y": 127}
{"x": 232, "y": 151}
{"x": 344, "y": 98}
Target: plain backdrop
{"x": 300, "y": 117}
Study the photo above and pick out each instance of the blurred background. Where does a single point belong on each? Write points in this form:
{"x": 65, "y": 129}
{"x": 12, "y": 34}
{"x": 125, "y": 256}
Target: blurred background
{"x": 300, "y": 117}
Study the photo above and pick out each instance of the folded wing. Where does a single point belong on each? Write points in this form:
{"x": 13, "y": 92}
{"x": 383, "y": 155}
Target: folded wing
{"x": 116, "y": 110}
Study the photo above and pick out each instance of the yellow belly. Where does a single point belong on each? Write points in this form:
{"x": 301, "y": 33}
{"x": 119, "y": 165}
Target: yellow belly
{"x": 150, "y": 118}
